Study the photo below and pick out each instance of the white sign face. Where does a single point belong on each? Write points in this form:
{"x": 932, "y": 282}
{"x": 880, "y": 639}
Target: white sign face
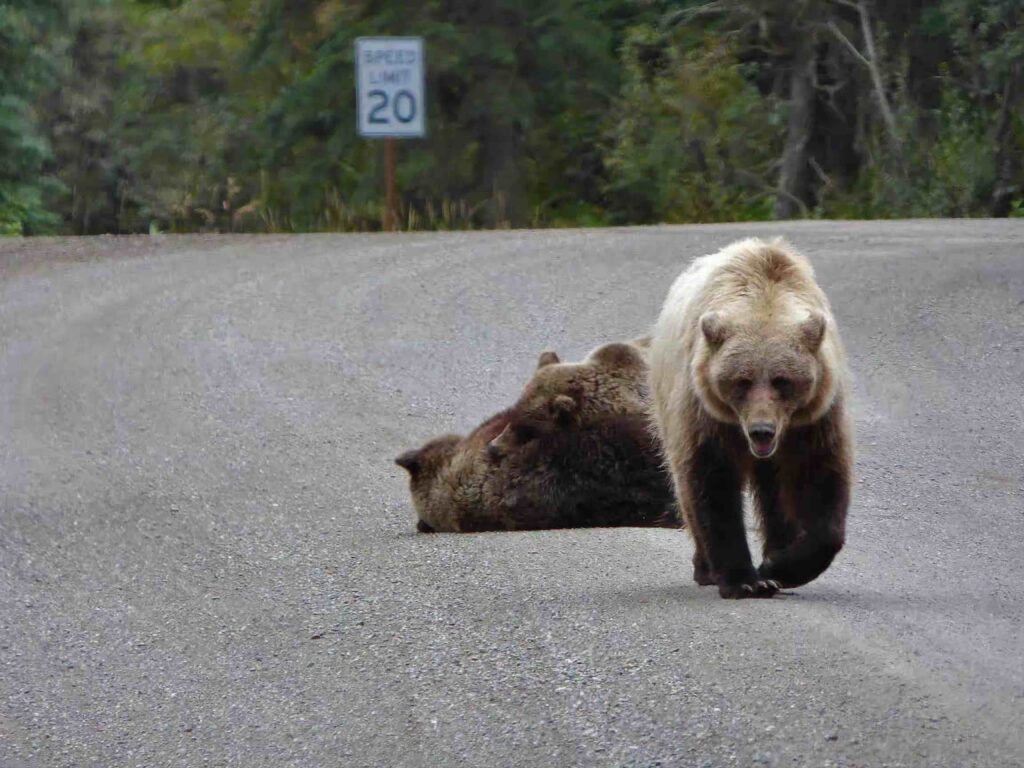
{"x": 389, "y": 85}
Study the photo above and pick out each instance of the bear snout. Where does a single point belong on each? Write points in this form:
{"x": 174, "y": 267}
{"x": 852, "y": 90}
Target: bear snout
{"x": 762, "y": 438}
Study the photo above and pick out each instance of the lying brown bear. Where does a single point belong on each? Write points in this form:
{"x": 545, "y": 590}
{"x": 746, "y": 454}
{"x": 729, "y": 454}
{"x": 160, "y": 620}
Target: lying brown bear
{"x": 574, "y": 451}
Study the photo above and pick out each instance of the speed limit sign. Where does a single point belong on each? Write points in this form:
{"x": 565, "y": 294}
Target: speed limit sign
{"x": 389, "y": 81}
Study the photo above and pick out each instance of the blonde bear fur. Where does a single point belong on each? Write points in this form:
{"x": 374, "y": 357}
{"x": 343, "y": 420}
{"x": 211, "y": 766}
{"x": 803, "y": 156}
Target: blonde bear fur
{"x": 748, "y": 390}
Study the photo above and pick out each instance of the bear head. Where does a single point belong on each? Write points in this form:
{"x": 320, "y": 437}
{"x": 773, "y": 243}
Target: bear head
{"x": 765, "y": 373}
{"x": 562, "y": 396}
{"x": 424, "y": 466}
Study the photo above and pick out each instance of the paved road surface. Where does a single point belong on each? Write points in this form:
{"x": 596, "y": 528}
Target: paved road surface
{"x": 207, "y": 557}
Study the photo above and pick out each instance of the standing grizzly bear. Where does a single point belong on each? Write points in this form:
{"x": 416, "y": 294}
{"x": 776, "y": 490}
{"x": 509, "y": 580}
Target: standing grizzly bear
{"x": 748, "y": 387}
{"x": 573, "y": 451}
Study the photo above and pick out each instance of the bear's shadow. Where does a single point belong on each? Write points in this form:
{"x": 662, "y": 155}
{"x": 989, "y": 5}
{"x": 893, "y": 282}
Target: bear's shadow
{"x": 811, "y": 595}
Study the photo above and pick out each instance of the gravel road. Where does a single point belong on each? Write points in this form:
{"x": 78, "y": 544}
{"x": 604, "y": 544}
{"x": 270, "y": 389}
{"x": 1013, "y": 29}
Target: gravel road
{"x": 207, "y": 557}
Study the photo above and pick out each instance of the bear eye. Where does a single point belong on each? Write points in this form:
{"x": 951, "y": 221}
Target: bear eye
{"x": 743, "y": 385}
{"x": 782, "y": 384}
{"x": 525, "y": 432}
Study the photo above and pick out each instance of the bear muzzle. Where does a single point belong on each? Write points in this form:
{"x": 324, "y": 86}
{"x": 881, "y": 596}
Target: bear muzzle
{"x": 763, "y": 439}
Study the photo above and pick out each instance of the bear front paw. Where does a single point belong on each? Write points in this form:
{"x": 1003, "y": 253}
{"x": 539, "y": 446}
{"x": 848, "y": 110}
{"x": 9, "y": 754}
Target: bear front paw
{"x": 758, "y": 588}
{"x": 768, "y": 572}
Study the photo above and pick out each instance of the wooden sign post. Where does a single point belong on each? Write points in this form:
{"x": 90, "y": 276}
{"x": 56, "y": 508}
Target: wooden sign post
{"x": 389, "y": 96}
{"x": 391, "y": 211}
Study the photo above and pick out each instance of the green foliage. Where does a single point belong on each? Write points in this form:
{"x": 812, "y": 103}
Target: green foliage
{"x": 183, "y": 116}
{"x": 23, "y": 149}
{"x": 953, "y": 172}
{"x": 239, "y": 115}
{"x": 504, "y": 133}
{"x": 693, "y": 140}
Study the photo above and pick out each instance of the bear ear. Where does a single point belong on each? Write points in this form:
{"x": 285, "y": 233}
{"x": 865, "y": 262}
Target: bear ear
{"x": 498, "y": 447}
{"x": 617, "y": 356}
{"x": 714, "y": 328}
{"x": 564, "y": 409}
{"x": 812, "y": 330}
{"x": 547, "y": 358}
{"x": 409, "y": 461}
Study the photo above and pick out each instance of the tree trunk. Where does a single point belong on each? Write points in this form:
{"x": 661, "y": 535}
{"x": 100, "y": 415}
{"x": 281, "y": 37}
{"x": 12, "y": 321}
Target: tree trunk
{"x": 502, "y": 175}
{"x": 871, "y": 63}
{"x": 876, "y": 77}
{"x": 793, "y": 195}
{"x": 1005, "y": 188}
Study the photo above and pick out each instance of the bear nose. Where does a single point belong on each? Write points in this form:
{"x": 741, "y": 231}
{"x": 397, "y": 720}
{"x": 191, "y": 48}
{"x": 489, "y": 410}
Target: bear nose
{"x": 761, "y": 430}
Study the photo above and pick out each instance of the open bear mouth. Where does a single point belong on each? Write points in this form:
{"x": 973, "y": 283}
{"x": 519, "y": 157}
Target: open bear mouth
{"x": 762, "y": 448}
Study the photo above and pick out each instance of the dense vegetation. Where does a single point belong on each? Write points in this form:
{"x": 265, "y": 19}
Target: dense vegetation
{"x": 238, "y": 115}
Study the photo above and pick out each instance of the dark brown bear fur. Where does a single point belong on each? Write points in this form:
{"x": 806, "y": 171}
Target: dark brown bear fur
{"x": 574, "y": 451}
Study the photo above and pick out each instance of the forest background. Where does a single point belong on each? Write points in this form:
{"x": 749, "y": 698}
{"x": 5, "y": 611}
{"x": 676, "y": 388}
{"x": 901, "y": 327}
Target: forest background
{"x": 121, "y": 116}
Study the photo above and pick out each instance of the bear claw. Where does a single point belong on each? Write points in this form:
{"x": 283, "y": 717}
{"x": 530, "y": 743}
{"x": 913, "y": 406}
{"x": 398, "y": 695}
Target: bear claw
{"x": 756, "y": 589}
